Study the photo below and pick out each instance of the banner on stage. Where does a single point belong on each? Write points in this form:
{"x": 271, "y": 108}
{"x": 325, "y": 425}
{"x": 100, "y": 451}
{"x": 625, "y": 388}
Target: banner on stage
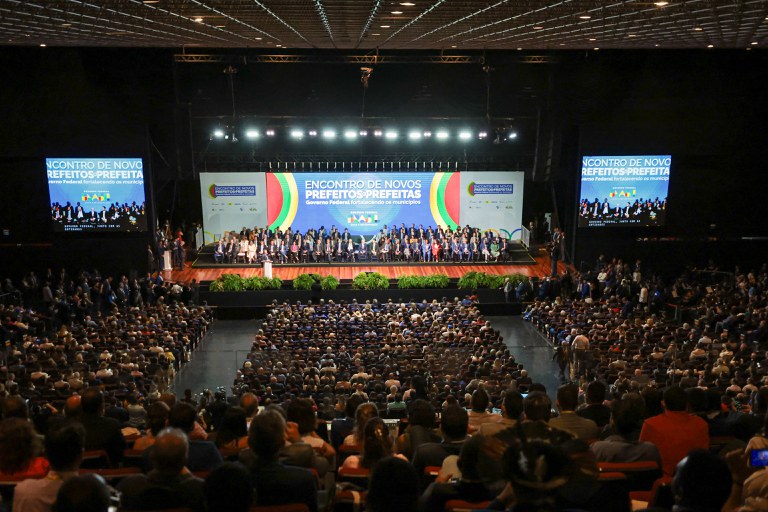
{"x": 494, "y": 201}
{"x": 362, "y": 202}
{"x": 231, "y": 201}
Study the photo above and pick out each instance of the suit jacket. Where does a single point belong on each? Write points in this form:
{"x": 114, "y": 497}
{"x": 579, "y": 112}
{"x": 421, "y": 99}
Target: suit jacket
{"x": 104, "y": 434}
{"x": 582, "y": 428}
{"x": 279, "y": 484}
{"x": 156, "y": 492}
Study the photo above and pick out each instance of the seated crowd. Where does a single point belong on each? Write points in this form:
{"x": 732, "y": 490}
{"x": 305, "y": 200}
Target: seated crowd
{"x": 421, "y": 406}
{"x": 414, "y": 244}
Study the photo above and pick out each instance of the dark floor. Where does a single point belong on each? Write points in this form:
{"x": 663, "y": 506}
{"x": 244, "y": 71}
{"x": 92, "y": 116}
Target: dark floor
{"x": 222, "y": 353}
{"x": 229, "y": 341}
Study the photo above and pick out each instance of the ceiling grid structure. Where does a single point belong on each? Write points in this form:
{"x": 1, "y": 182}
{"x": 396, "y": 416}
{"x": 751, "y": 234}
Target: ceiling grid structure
{"x": 387, "y": 24}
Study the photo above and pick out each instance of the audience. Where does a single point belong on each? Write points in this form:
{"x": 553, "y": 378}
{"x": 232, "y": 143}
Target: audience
{"x": 644, "y": 387}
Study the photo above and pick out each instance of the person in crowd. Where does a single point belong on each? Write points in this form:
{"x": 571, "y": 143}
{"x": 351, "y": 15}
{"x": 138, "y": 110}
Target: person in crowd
{"x": 626, "y": 420}
{"x": 454, "y": 426}
{"x": 377, "y": 445}
{"x": 232, "y": 434}
{"x": 20, "y": 450}
{"x": 84, "y": 493}
{"x": 101, "y": 433}
{"x": 229, "y": 489}
{"x": 157, "y": 420}
{"x": 168, "y": 485}
{"x": 479, "y": 414}
{"x": 276, "y": 483}
{"x": 567, "y": 401}
{"x": 595, "y": 409}
{"x": 365, "y": 412}
{"x": 64, "y": 445}
{"x": 393, "y": 486}
{"x": 675, "y": 432}
{"x": 201, "y": 455}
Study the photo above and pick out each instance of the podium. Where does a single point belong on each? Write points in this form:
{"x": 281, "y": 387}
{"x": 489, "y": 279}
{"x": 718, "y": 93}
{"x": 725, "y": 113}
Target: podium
{"x": 167, "y": 260}
{"x": 268, "y": 269}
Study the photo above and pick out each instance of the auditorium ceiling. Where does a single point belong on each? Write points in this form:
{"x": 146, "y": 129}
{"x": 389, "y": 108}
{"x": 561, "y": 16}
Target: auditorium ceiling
{"x": 277, "y": 25}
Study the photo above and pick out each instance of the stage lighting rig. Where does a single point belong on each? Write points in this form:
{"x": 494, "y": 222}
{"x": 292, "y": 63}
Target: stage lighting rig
{"x": 365, "y": 75}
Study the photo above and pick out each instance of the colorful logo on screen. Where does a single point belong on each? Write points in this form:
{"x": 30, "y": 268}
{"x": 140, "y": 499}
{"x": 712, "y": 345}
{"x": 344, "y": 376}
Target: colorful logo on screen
{"x": 362, "y": 219}
{"x": 94, "y": 197}
{"x": 231, "y": 190}
{"x": 283, "y": 201}
{"x": 490, "y": 188}
{"x": 623, "y": 193}
{"x": 444, "y": 198}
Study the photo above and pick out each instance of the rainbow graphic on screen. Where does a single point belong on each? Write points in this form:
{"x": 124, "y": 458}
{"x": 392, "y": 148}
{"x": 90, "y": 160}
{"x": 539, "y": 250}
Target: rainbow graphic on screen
{"x": 444, "y": 199}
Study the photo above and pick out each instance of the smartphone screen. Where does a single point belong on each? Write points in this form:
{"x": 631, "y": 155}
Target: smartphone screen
{"x": 758, "y": 458}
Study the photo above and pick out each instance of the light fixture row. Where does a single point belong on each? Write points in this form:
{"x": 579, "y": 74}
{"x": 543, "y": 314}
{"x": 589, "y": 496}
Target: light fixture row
{"x": 331, "y": 134}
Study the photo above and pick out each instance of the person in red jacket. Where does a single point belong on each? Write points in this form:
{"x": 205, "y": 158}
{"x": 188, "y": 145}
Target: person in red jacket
{"x": 675, "y": 432}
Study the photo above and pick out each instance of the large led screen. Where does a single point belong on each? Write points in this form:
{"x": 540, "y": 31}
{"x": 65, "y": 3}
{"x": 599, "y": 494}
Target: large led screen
{"x": 624, "y": 190}
{"x": 96, "y": 194}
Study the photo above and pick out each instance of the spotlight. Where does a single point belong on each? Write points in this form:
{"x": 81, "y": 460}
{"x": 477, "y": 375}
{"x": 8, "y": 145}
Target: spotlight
{"x": 482, "y": 135}
{"x": 512, "y": 135}
{"x": 297, "y": 134}
{"x": 363, "y": 133}
{"x": 377, "y": 133}
{"x": 270, "y": 133}
{"x": 441, "y": 135}
{"x": 252, "y": 134}
{"x": 390, "y": 135}
{"x": 312, "y": 133}
{"x": 465, "y": 135}
{"x": 350, "y": 134}
{"x": 219, "y": 134}
{"x": 329, "y": 134}
{"x": 414, "y": 135}
{"x": 427, "y": 134}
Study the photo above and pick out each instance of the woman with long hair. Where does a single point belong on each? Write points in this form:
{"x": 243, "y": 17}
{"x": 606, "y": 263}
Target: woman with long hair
{"x": 377, "y": 445}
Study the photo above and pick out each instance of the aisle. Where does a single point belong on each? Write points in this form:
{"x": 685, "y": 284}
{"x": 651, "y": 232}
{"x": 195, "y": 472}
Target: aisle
{"x": 221, "y": 355}
{"x": 529, "y": 348}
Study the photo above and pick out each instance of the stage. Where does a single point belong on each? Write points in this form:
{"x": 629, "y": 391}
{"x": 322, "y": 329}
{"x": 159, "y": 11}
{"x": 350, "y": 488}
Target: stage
{"x": 537, "y": 265}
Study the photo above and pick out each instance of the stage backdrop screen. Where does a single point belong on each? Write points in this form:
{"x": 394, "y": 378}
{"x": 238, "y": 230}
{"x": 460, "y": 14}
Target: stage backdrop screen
{"x": 96, "y": 194}
{"x": 231, "y": 201}
{"x": 362, "y": 202}
{"x": 624, "y": 190}
{"x": 493, "y": 201}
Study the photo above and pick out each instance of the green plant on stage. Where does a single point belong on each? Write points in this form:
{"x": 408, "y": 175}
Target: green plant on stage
{"x": 304, "y": 282}
{"x": 236, "y": 283}
{"x": 474, "y": 280}
{"x": 370, "y": 281}
{"x": 231, "y": 283}
{"x": 329, "y": 283}
{"x": 433, "y": 281}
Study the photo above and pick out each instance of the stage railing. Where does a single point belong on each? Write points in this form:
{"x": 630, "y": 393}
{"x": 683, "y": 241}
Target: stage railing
{"x": 525, "y": 237}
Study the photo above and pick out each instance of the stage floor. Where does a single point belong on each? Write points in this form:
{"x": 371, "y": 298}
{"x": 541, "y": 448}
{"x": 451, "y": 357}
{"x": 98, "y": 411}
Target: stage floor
{"x": 539, "y": 267}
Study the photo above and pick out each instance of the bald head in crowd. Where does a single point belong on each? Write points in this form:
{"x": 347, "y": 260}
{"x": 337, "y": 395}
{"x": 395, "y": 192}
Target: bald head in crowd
{"x": 170, "y": 451}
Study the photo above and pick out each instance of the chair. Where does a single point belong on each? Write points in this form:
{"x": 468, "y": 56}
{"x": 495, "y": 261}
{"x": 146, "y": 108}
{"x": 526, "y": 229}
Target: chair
{"x": 641, "y": 475}
{"x": 463, "y": 506}
{"x": 96, "y": 459}
{"x": 112, "y": 474}
{"x": 290, "y": 507}
{"x": 430, "y": 474}
{"x": 357, "y": 476}
{"x": 615, "y": 493}
{"x": 660, "y": 489}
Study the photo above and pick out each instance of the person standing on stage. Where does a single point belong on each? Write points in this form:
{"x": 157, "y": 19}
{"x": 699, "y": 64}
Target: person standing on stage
{"x": 555, "y": 249}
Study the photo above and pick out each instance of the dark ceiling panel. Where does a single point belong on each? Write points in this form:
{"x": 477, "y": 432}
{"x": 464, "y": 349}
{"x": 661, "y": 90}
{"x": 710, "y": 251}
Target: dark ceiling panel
{"x": 387, "y": 24}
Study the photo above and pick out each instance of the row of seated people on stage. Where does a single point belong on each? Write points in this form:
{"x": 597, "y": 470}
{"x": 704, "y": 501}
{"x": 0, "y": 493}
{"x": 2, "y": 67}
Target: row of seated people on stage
{"x": 315, "y": 247}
